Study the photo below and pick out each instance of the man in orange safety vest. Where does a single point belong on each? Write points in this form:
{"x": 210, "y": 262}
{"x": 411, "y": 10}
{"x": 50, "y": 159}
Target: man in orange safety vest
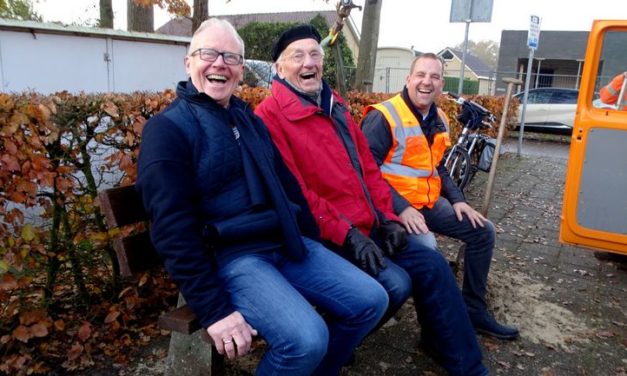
{"x": 611, "y": 92}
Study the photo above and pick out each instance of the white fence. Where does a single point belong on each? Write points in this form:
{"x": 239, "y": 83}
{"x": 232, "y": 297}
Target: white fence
{"x": 392, "y": 80}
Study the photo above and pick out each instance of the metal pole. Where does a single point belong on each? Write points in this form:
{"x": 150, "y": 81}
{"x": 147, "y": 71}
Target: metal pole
{"x": 343, "y": 10}
{"x": 497, "y": 149}
{"x": 460, "y": 88}
{"x": 538, "y": 71}
{"x": 524, "y": 108}
{"x": 578, "y": 73}
{"x": 521, "y": 72}
{"x": 339, "y": 69}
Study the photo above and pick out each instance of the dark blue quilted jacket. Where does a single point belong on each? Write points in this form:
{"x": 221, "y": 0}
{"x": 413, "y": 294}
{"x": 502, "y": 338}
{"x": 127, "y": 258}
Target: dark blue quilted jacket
{"x": 200, "y": 185}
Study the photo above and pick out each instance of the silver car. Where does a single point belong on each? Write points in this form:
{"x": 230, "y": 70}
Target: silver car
{"x": 549, "y": 109}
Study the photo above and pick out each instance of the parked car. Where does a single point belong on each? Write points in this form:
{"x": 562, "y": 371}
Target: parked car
{"x": 258, "y": 73}
{"x": 549, "y": 109}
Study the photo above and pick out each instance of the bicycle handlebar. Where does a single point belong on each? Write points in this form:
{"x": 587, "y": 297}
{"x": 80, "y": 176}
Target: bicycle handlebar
{"x": 456, "y": 98}
{"x": 475, "y": 107}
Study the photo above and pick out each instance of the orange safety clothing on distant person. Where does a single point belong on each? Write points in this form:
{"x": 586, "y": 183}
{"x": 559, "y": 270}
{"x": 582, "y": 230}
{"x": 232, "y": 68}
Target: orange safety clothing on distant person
{"x": 411, "y": 164}
{"x": 609, "y": 93}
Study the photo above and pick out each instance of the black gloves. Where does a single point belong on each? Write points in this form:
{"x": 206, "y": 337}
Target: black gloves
{"x": 393, "y": 236}
{"x": 364, "y": 252}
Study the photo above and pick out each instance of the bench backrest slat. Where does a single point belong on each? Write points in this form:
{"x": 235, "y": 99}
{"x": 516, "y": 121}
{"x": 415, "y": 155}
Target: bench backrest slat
{"x": 122, "y": 206}
{"x": 135, "y": 253}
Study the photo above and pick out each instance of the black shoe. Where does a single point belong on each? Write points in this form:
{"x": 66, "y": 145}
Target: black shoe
{"x": 429, "y": 351}
{"x": 487, "y": 325}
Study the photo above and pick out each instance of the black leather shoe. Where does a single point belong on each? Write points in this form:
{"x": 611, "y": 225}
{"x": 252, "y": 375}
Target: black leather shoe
{"x": 429, "y": 351}
{"x": 487, "y": 325}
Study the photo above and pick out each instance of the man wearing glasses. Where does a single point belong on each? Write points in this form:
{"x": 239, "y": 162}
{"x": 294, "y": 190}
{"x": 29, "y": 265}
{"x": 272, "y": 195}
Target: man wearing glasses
{"x": 226, "y": 218}
{"x": 352, "y": 204}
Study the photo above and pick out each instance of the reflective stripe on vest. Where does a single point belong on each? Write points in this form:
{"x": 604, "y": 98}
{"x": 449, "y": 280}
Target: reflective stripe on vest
{"x": 397, "y": 169}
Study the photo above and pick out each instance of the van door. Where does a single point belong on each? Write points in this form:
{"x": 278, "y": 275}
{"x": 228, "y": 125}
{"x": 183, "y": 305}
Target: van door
{"x": 594, "y": 212}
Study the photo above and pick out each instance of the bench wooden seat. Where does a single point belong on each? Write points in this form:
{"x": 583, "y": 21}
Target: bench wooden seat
{"x": 121, "y": 207}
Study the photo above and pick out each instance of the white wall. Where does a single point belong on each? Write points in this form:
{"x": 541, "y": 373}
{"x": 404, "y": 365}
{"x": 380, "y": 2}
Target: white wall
{"x": 51, "y": 63}
{"x": 49, "y": 58}
{"x": 147, "y": 66}
{"x": 391, "y": 69}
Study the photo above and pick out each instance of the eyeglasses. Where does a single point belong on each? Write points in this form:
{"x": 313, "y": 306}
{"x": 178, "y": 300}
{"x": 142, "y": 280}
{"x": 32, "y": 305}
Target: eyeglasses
{"x": 211, "y": 55}
{"x": 299, "y": 56}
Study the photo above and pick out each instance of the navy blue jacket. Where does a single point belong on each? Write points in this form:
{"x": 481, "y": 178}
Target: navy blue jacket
{"x": 214, "y": 186}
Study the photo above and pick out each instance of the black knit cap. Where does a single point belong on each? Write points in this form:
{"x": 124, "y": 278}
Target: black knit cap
{"x": 291, "y": 35}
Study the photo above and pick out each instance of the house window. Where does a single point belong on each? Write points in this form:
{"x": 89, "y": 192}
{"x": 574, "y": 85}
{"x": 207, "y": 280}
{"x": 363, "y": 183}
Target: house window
{"x": 447, "y": 55}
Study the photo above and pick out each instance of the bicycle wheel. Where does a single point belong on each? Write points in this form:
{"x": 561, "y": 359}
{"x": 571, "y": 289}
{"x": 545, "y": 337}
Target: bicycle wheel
{"x": 458, "y": 166}
{"x": 475, "y": 157}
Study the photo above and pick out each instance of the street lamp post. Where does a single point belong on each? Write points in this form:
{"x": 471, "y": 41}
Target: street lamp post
{"x": 460, "y": 86}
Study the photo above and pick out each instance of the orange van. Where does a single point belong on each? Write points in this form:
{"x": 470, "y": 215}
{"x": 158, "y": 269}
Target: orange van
{"x": 594, "y": 212}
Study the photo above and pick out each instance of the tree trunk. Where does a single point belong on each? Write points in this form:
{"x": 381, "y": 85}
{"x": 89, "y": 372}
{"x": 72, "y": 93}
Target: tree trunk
{"x": 368, "y": 45}
{"x": 106, "y": 14}
{"x": 201, "y": 13}
{"x": 139, "y": 18}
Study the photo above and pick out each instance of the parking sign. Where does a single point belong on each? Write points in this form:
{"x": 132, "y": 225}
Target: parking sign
{"x": 534, "y": 32}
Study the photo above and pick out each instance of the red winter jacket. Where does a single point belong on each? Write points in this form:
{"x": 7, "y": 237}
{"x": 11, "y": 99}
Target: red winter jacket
{"x": 313, "y": 149}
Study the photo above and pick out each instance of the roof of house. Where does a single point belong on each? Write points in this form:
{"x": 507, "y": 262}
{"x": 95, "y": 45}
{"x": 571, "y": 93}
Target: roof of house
{"x": 473, "y": 63}
{"x": 57, "y": 28}
{"x": 183, "y": 25}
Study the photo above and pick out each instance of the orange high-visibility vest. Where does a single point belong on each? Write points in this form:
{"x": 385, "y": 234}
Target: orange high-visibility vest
{"x": 411, "y": 165}
{"x": 609, "y": 93}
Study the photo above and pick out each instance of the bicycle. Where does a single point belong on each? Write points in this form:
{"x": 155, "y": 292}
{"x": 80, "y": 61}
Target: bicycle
{"x": 467, "y": 156}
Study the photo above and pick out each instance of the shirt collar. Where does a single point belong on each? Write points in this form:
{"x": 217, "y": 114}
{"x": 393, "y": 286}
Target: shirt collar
{"x": 433, "y": 111}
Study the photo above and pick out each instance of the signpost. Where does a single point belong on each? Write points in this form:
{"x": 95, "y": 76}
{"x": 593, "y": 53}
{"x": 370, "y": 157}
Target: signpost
{"x": 469, "y": 11}
{"x": 533, "y": 37}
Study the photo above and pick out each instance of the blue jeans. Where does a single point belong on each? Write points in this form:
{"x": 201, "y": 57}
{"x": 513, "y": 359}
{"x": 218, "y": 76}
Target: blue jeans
{"x": 479, "y": 241}
{"x": 275, "y": 295}
{"x": 445, "y": 326}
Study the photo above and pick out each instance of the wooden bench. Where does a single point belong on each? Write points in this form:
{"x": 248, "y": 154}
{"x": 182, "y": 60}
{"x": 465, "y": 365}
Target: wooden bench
{"x": 191, "y": 351}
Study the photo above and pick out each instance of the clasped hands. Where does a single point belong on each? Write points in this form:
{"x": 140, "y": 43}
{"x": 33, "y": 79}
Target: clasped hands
{"x": 367, "y": 254}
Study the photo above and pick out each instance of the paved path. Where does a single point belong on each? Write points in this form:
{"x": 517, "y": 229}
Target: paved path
{"x": 536, "y": 148}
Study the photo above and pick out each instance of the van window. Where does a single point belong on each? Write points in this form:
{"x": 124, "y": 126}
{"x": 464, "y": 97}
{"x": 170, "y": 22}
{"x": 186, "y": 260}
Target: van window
{"x": 613, "y": 62}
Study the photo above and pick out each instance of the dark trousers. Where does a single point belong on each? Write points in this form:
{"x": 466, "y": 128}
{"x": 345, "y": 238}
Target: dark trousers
{"x": 446, "y": 328}
{"x": 479, "y": 241}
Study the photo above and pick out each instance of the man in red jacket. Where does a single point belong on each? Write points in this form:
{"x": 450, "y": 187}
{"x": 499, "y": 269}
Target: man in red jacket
{"x": 352, "y": 204}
